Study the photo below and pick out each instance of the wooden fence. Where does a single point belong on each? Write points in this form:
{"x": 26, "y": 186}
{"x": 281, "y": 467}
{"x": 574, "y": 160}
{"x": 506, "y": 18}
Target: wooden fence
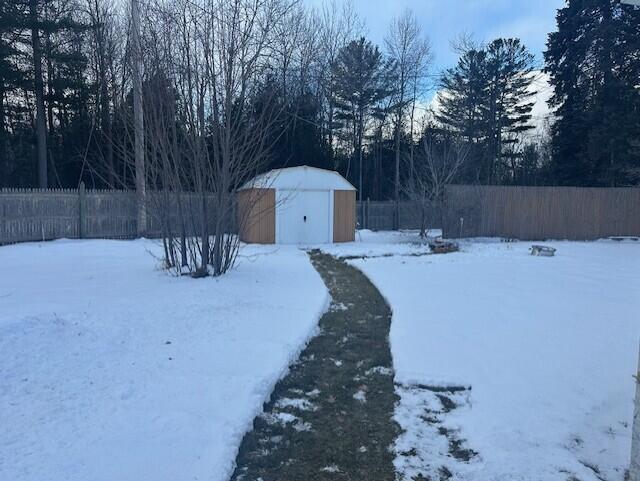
{"x": 530, "y": 213}
{"x": 35, "y": 214}
{"x": 469, "y": 211}
{"x": 379, "y": 215}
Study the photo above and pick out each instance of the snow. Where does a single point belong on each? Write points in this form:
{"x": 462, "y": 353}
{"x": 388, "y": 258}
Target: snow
{"x": 381, "y": 244}
{"x": 296, "y": 403}
{"x": 360, "y": 395}
{"x": 111, "y": 369}
{"x": 302, "y": 177}
{"x": 547, "y": 344}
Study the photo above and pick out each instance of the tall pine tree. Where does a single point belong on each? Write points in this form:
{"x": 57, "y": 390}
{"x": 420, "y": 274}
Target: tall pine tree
{"x": 361, "y": 79}
{"x": 593, "y": 60}
{"x": 486, "y": 100}
{"x": 13, "y": 78}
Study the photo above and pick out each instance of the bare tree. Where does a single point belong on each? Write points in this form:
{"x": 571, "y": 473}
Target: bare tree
{"x": 136, "y": 68}
{"x": 211, "y": 117}
{"x": 439, "y": 163}
{"x": 338, "y": 26}
{"x": 411, "y": 53}
{"x": 41, "y": 126}
{"x": 101, "y": 19}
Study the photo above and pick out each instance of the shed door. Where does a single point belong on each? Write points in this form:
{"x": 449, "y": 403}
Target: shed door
{"x": 303, "y": 216}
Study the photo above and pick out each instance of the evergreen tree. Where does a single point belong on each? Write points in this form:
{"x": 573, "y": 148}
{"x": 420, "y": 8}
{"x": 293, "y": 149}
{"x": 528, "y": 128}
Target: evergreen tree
{"x": 508, "y": 111}
{"x": 44, "y": 91}
{"x": 463, "y": 96}
{"x": 593, "y": 60}
{"x": 13, "y": 78}
{"x": 361, "y": 80}
{"x": 486, "y": 100}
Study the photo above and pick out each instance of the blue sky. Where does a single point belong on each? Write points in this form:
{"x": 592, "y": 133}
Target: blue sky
{"x": 444, "y": 20}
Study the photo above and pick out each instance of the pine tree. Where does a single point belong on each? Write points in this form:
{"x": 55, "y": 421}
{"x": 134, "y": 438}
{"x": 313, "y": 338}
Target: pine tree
{"x": 463, "y": 95}
{"x": 593, "y": 62}
{"x": 486, "y": 100}
{"x": 44, "y": 89}
{"x": 509, "y": 94}
{"x": 13, "y": 77}
{"x": 361, "y": 80}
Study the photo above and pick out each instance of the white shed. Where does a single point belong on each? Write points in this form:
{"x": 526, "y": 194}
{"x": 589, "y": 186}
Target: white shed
{"x": 297, "y": 205}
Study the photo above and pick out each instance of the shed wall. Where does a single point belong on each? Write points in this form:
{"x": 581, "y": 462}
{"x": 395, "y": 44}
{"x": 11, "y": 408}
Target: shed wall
{"x": 257, "y": 216}
{"x": 344, "y": 215}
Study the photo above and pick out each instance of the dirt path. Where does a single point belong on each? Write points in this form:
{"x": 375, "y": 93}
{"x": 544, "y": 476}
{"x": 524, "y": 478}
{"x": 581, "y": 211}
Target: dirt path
{"x": 330, "y": 418}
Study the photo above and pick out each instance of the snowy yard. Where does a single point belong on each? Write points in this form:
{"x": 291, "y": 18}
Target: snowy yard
{"x": 111, "y": 369}
{"x": 548, "y": 346}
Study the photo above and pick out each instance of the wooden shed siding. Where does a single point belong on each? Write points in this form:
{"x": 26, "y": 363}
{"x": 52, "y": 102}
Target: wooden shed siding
{"x": 344, "y": 215}
{"x": 257, "y": 216}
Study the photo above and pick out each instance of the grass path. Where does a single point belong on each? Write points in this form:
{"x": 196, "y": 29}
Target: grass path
{"x": 330, "y": 418}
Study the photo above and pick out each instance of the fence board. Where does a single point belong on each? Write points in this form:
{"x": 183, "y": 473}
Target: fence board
{"x": 379, "y": 215}
{"x": 516, "y": 212}
{"x": 530, "y": 213}
{"x": 30, "y": 214}
{"x": 36, "y": 214}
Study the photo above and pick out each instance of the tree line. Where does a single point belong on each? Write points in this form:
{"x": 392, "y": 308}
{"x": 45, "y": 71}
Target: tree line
{"x": 315, "y": 91}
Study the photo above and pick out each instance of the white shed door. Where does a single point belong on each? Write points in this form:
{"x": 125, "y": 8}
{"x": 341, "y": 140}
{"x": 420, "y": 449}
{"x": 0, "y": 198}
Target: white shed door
{"x": 303, "y": 216}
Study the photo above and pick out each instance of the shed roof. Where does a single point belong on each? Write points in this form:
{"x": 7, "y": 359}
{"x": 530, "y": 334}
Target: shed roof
{"x": 299, "y": 178}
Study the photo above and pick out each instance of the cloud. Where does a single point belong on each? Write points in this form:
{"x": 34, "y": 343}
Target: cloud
{"x": 444, "y": 20}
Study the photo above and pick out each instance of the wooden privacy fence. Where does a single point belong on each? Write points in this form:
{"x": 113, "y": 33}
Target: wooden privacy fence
{"x": 469, "y": 211}
{"x": 528, "y": 213}
{"x": 37, "y": 214}
{"x": 379, "y": 215}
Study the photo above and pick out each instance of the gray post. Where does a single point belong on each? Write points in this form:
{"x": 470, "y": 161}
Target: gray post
{"x": 634, "y": 468}
{"x": 82, "y": 196}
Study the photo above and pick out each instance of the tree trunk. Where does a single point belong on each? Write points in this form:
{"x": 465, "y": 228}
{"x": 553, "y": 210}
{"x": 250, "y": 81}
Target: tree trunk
{"x": 412, "y": 143}
{"x": 41, "y": 127}
{"x": 105, "y": 104}
{"x": 330, "y": 134}
{"x": 4, "y": 160}
{"x": 48, "y": 53}
{"x": 396, "y": 193}
{"x": 138, "y": 119}
{"x": 360, "y": 134}
{"x": 204, "y": 218}
{"x": 396, "y": 190}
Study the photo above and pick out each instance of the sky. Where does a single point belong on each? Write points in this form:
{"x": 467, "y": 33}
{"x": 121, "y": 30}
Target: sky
{"x": 445, "y": 20}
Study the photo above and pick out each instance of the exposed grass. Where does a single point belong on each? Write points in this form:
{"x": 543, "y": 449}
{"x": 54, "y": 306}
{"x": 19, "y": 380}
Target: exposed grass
{"x": 331, "y": 416}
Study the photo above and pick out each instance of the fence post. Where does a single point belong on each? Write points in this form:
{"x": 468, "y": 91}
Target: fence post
{"x": 368, "y": 211}
{"x": 81, "y": 210}
{"x": 634, "y": 469}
